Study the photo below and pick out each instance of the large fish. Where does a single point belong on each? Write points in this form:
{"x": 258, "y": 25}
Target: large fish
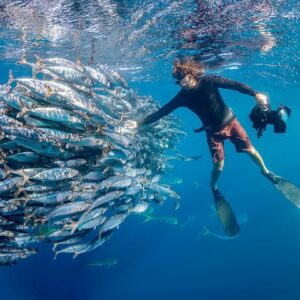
{"x": 58, "y": 115}
{"x": 68, "y": 74}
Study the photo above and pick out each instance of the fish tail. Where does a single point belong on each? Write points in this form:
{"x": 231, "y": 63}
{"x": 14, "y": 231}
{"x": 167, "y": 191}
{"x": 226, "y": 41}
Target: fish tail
{"x": 92, "y": 93}
{"x": 39, "y": 61}
{"x": 147, "y": 218}
{"x": 11, "y": 77}
{"x": 27, "y": 218}
{"x": 18, "y": 191}
{"x": 84, "y": 115}
{"x": 2, "y": 135}
{"x": 6, "y": 167}
{"x": 78, "y": 61}
{"x": 22, "y": 112}
{"x": 176, "y": 204}
{"x": 55, "y": 254}
{"x": 34, "y": 72}
{"x": 75, "y": 254}
{"x": 2, "y": 154}
{"x": 74, "y": 227}
{"x": 206, "y": 231}
{"x": 26, "y": 198}
{"x": 23, "y": 108}
{"x": 54, "y": 247}
{"x": 25, "y": 180}
{"x": 99, "y": 128}
{"x": 48, "y": 91}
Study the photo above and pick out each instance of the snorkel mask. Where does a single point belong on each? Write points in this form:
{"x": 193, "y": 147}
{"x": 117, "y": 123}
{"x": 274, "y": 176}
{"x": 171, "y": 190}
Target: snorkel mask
{"x": 185, "y": 69}
{"x": 178, "y": 75}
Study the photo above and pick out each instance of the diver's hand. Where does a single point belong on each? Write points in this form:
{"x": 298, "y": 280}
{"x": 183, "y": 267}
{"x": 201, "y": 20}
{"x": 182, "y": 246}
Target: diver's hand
{"x": 262, "y": 100}
{"x": 131, "y": 124}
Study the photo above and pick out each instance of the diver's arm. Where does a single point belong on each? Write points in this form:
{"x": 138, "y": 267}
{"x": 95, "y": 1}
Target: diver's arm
{"x": 163, "y": 111}
{"x": 225, "y": 83}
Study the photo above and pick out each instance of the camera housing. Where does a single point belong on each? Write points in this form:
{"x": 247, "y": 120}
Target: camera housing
{"x": 262, "y": 116}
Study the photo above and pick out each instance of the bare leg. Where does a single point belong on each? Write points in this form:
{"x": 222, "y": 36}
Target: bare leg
{"x": 256, "y": 157}
{"x": 215, "y": 174}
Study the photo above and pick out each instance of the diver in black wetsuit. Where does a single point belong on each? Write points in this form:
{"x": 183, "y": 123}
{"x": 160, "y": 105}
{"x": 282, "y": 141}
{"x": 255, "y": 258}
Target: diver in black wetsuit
{"x": 200, "y": 94}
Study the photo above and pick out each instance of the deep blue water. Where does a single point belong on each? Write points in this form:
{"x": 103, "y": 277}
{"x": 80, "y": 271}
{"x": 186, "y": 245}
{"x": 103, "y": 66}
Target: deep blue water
{"x": 162, "y": 261}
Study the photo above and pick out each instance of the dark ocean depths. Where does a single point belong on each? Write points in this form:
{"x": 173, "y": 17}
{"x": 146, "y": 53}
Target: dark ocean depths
{"x": 157, "y": 260}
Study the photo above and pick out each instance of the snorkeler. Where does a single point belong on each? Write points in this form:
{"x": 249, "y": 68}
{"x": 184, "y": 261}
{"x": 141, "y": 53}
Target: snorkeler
{"x": 200, "y": 94}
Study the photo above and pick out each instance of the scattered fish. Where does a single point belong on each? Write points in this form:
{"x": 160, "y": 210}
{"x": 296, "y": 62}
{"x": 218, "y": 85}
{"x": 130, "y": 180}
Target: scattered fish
{"x": 107, "y": 262}
{"x": 242, "y": 219}
{"x": 221, "y": 237}
{"x": 165, "y": 220}
{"x": 189, "y": 220}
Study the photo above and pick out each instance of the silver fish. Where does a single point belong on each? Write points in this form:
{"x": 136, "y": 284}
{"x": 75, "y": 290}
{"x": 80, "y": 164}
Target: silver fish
{"x": 139, "y": 208}
{"x": 52, "y": 198}
{"x": 93, "y": 223}
{"x": 106, "y": 198}
{"x": 70, "y": 240}
{"x": 78, "y": 248}
{"x": 112, "y": 222}
{"x": 97, "y": 76}
{"x": 68, "y": 74}
{"x": 58, "y": 115}
{"x": 24, "y": 157}
{"x": 40, "y": 148}
{"x": 113, "y": 76}
{"x": 55, "y": 174}
{"x": 68, "y": 209}
{"x": 72, "y": 163}
{"x": 11, "y": 184}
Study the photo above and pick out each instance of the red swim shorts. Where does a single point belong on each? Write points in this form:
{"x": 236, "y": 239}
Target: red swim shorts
{"x": 235, "y": 133}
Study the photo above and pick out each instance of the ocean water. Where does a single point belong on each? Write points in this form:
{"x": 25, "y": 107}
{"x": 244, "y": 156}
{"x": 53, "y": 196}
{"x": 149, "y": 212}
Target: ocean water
{"x": 255, "y": 42}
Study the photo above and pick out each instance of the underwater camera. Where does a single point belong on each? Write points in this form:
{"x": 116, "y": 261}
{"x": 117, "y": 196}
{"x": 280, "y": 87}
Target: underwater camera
{"x": 262, "y": 116}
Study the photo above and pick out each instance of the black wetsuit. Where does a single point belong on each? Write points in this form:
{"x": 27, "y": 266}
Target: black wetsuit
{"x": 205, "y": 101}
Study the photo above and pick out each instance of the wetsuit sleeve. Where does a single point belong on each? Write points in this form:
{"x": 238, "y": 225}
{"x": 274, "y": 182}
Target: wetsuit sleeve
{"x": 225, "y": 83}
{"x": 176, "y": 102}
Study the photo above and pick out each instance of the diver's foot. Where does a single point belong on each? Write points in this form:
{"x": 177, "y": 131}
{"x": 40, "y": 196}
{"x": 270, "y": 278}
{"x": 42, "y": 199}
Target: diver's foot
{"x": 272, "y": 177}
{"x": 217, "y": 194}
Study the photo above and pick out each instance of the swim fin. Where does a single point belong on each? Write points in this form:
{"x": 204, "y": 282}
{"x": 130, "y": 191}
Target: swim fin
{"x": 288, "y": 189}
{"x": 225, "y": 214}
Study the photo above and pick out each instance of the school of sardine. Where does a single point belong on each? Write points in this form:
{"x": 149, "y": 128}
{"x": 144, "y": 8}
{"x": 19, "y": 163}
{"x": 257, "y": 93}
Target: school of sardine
{"x": 70, "y": 170}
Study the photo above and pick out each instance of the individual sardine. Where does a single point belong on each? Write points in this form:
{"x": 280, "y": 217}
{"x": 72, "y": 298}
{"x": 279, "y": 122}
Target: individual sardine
{"x": 105, "y": 199}
{"x": 24, "y": 157}
{"x": 69, "y": 209}
{"x": 112, "y": 223}
{"x": 58, "y": 115}
{"x": 55, "y": 174}
{"x": 52, "y": 198}
{"x": 68, "y": 74}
